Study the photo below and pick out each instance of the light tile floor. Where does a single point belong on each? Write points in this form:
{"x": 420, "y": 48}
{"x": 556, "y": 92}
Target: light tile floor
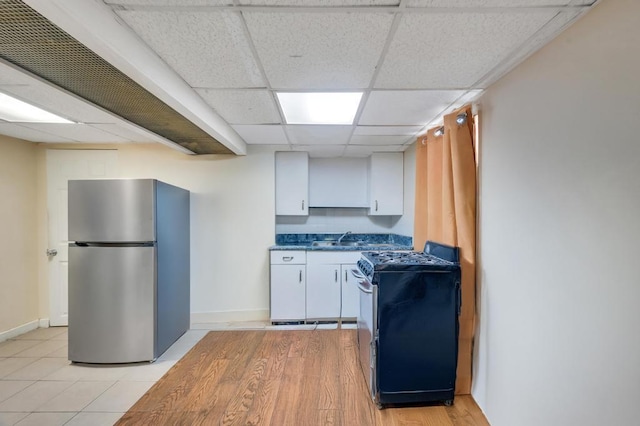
{"x": 39, "y": 386}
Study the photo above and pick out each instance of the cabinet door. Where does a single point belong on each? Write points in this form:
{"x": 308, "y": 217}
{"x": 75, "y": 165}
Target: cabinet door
{"x": 386, "y": 196}
{"x": 292, "y": 183}
{"x": 288, "y": 292}
{"x": 350, "y": 294}
{"x": 323, "y": 291}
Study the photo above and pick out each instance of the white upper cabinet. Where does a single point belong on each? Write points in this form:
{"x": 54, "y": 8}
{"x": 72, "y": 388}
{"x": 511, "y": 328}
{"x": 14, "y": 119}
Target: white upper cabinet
{"x": 292, "y": 183}
{"x": 376, "y": 183}
{"x": 386, "y": 193}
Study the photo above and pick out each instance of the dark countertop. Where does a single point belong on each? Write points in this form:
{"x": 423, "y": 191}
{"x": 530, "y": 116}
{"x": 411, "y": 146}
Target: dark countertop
{"x": 368, "y": 242}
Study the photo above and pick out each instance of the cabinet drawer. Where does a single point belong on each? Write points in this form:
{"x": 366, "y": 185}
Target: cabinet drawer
{"x": 288, "y": 257}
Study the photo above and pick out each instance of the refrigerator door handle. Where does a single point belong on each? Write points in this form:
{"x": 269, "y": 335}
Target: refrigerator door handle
{"x": 107, "y": 245}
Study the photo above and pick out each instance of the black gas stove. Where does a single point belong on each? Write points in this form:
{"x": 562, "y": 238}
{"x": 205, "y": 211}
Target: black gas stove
{"x": 408, "y": 323}
{"x": 398, "y": 261}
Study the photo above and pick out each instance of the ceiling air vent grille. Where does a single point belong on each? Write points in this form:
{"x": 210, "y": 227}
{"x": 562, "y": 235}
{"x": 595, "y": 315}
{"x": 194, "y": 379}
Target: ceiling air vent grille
{"x": 33, "y": 43}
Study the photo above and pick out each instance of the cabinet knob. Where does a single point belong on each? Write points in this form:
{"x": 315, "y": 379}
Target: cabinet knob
{"x": 336, "y": 277}
{"x": 302, "y": 205}
{"x": 287, "y": 258}
{"x": 300, "y": 278}
{"x": 376, "y": 205}
{"x": 346, "y": 275}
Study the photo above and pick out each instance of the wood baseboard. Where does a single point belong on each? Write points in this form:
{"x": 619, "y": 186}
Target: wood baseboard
{"x": 230, "y": 316}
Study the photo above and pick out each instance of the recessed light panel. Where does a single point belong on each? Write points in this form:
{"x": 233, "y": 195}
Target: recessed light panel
{"x": 17, "y": 111}
{"x": 320, "y": 108}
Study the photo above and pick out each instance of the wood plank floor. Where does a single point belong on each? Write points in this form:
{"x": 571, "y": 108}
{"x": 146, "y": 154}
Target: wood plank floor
{"x": 279, "y": 378}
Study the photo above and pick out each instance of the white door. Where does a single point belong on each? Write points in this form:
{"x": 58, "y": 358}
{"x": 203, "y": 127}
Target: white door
{"x": 288, "y": 292}
{"x": 350, "y": 292}
{"x": 63, "y": 165}
{"x": 292, "y": 183}
{"x": 386, "y": 190}
{"x": 323, "y": 291}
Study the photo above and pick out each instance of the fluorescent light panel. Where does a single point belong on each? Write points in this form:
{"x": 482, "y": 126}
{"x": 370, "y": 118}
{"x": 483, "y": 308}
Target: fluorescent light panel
{"x": 319, "y": 108}
{"x": 17, "y": 111}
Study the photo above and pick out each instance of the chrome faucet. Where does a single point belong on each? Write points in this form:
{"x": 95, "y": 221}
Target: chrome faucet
{"x": 342, "y": 236}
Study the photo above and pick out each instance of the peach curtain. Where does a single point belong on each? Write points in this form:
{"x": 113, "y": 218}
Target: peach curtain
{"x": 445, "y": 212}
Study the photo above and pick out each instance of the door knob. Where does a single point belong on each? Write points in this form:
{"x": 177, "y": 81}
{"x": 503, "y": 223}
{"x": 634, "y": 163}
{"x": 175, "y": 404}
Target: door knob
{"x": 52, "y": 252}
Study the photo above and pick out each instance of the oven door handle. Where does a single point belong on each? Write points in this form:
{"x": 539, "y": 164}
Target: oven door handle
{"x": 357, "y": 274}
{"x": 363, "y": 288}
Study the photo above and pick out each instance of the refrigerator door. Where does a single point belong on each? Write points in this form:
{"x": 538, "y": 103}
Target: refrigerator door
{"x": 112, "y": 211}
{"x": 112, "y": 296}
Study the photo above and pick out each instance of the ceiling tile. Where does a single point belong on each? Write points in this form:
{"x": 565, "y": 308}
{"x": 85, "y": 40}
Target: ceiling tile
{"x": 379, "y": 140}
{"x": 387, "y": 130}
{"x": 320, "y": 2}
{"x": 320, "y": 135}
{"x": 321, "y": 151}
{"x": 453, "y": 50}
{"x": 319, "y": 50}
{"x": 208, "y": 49}
{"x": 21, "y": 132}
{"x": 242, "y": 106}
{"x": 172, "y": 2}
{"x": 262, "y": 134}
{"x": 76, "y": 132}
{"x": 365, "y": 151}
{"x": 485, "y": 3}
{"x": 410, "y": 107}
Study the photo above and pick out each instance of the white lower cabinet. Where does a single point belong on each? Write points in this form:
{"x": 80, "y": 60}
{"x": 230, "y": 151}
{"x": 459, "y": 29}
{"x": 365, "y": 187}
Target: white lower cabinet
{"x": 323, "y": 291}
{"x": 313, "y": 285}
{"x": 288, "y": 286}
{"x": 332, "y": 292}
{"x": 350, "y": 295}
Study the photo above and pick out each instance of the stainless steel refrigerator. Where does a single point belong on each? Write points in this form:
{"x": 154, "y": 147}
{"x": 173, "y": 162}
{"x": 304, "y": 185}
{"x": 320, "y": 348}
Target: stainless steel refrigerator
{"x": 128, "y": 269}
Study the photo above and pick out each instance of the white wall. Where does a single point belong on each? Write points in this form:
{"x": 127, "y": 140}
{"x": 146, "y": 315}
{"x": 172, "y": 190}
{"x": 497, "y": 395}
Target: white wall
{"x": 232, "y": 224}
{"x": 559, "y": 230}
{"x": 18, "y": 228}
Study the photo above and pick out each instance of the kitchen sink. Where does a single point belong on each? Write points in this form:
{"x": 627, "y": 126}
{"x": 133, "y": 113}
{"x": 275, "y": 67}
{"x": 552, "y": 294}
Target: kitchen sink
{"x": 349, "y": 244}
{"x": 353, "y": 243}
{"x": 324, "y": 243}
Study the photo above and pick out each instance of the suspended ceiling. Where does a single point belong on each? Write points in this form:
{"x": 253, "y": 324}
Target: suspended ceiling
{"x": 218, "y": 64}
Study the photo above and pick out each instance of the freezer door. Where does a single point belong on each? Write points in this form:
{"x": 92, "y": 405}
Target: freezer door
{"x": 111, "y": 304}
{"x": 112, "y": 210}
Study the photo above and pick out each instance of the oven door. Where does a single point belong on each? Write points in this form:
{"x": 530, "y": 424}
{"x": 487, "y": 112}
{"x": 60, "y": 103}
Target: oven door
{"x": 367, "y": 330}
